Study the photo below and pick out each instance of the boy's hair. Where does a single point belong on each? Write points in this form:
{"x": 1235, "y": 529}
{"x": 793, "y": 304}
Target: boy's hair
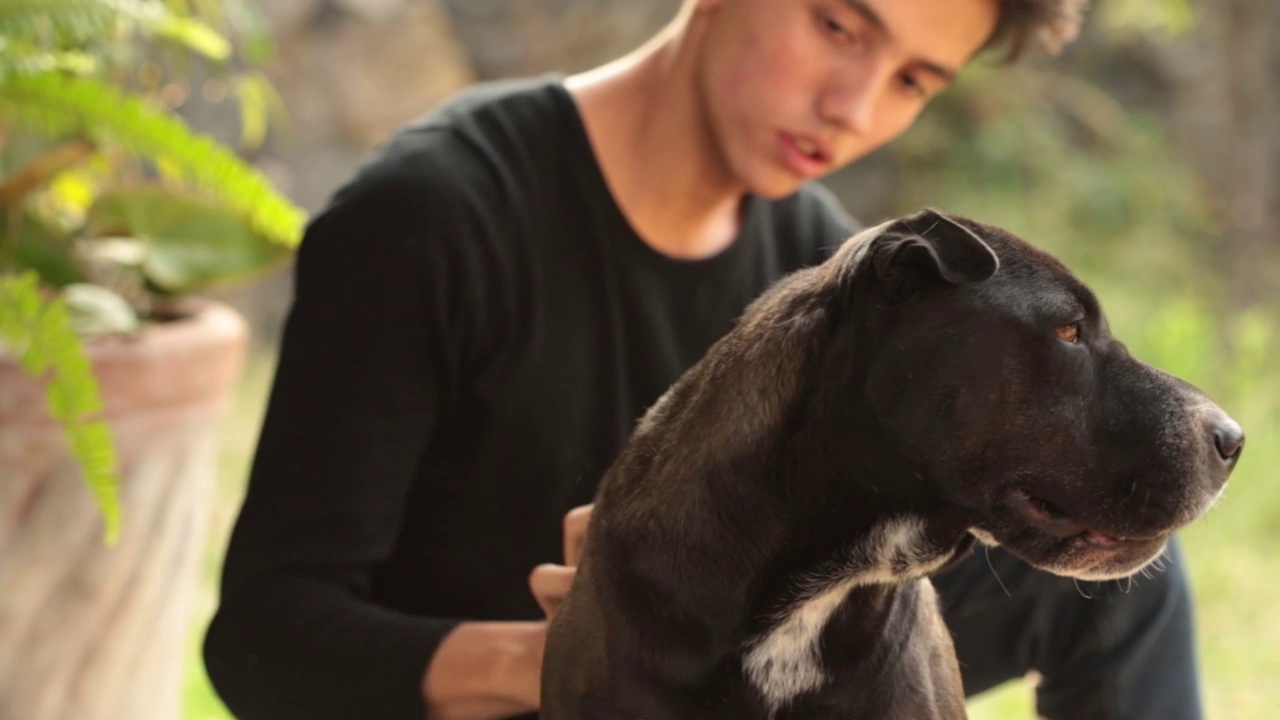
{"x": 1051, "y": 23}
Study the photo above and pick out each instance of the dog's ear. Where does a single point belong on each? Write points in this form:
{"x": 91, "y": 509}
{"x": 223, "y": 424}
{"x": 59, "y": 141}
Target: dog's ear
{"x": 933, "y": 240}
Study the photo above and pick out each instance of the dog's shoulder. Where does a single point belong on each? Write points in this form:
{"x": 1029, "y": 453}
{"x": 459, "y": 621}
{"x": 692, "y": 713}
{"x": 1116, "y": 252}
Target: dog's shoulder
{"x": 786, "y": 660}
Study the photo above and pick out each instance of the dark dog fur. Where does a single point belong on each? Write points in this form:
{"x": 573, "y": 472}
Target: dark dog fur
{"x": 761, "y": 547}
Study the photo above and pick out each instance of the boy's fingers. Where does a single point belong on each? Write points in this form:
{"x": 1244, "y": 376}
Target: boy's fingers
{"x": 550, "y": 584}
{"x": 575, "y": 533}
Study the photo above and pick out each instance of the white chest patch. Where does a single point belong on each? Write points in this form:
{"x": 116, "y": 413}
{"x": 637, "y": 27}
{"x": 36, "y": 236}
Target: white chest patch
{"x": 786, "y": 660}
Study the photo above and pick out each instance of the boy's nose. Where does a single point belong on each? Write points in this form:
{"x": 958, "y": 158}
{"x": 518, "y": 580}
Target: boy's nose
{"x": 851, "y": 108}
{"x": 850, "y": 101}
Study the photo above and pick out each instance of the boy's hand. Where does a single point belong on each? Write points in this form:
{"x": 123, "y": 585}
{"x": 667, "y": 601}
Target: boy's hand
{"x": 575, "y": 533}
{"x": 549, "y": 582}
{"x": 493, "y": 669}
{"x": 486, "y": 670}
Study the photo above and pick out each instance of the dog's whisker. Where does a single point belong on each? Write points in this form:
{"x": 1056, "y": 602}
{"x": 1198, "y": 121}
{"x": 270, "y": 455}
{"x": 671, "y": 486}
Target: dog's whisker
{"x": 987, "y": 549}
{"x": 1080, "y": 590}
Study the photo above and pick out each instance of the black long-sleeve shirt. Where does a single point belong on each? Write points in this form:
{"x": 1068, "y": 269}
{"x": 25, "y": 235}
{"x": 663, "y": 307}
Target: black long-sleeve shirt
{"x": 474, "y": 332}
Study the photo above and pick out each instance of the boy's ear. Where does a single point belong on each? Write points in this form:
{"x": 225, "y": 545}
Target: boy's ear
{"x": 934, "y": 242}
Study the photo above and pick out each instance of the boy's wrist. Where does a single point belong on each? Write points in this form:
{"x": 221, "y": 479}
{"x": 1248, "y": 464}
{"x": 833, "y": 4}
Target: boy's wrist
{"x": 485, "y": 670}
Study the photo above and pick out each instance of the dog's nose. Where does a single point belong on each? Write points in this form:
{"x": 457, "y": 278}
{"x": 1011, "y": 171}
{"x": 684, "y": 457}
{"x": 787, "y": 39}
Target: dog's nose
{"x": 1228, "y": 438}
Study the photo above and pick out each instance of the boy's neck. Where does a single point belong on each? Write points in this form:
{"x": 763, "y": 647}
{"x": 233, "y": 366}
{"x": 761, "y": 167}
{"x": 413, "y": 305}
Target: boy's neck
{"x": 650, "y": 135}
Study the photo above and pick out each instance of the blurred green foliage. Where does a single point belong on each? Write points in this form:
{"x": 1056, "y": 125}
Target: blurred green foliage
{"x": 110, "y": 202}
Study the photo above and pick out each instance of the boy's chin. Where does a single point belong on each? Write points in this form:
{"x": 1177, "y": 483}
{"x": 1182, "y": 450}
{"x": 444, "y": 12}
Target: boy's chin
{"x": 777, "y": 187}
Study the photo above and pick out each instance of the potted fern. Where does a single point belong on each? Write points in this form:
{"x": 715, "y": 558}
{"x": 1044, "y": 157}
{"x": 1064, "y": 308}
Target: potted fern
{"x": 115, "y": 217}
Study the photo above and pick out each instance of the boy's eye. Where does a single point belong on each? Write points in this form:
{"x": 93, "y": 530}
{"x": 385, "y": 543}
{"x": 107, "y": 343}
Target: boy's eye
{"x": 912, "y": 84}
{"x": 832, "y": 27}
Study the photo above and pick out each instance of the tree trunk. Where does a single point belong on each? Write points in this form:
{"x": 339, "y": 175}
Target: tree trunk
{"x": 92, "y": 632}
{"x": 1226, "y": 104}
{"x": 526, "y": 37}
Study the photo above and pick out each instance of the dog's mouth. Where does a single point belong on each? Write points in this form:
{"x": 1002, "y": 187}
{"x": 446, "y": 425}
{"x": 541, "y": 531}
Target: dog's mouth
{"x": 1053, "y": 521}
{"x": 1049, "y": 537}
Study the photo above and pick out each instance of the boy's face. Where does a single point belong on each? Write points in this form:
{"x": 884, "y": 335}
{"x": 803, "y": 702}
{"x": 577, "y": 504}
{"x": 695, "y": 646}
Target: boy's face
{"x": 795, "y": 89}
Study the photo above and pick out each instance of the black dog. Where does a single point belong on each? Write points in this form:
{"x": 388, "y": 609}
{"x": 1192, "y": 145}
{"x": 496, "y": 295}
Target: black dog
{"x": 761, "y": 546}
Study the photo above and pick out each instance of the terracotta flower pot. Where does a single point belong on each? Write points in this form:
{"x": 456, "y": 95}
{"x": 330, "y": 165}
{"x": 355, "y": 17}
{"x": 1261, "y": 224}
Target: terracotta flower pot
{"x": 86, "y": 631}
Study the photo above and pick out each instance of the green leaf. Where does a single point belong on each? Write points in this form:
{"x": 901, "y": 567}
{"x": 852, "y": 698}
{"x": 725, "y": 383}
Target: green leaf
{"x": 75, "y": 393}
{"x": 259, "y": 106}
{"x": 191, "y": 243}
{"x": 21, "y": 302}
{"x": 244, "y": 21}
{"x": 97, "y": 310}
{"x": 195, "y": 35}
{"x": 37, "y": 247}
{"x": 39, "y": 333}
{"x": 92, "y": 445}
{"x": 61, "y": 24}
{"x": 21, "y": 57}
{"x": 57, "y": 104}
{"x": 1168, "y": 16}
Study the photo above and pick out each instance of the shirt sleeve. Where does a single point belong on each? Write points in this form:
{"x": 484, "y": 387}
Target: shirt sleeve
{"x": 375, "y": 341}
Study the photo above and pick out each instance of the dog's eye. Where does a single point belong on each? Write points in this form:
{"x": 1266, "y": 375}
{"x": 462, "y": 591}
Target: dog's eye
{"x": 1069, "y": 333}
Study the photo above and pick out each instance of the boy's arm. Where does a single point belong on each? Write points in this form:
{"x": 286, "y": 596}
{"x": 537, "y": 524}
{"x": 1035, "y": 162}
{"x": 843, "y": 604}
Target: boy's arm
{"x": 493, "y": 670}
{"x": 367, "y": 361}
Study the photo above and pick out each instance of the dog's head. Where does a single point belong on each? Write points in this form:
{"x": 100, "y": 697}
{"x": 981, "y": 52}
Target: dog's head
{"x": 994, "y": 369}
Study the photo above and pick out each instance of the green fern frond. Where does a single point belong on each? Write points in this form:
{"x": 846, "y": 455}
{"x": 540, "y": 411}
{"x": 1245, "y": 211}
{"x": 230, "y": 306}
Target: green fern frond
{"x": 67, "y": 23}
{"x": 195, "y": 36}
{"x": 21, "y": 57}
{"x": 39, "y": 334}
{"x": 244, "y": 20}
{"x": 58, "y": 104}
{"x": 59, "y": 24}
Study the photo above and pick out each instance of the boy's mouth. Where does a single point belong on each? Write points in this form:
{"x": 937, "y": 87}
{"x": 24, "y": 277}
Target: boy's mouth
{"x": 812, "y": 147}
{"x": 806, "y": 156}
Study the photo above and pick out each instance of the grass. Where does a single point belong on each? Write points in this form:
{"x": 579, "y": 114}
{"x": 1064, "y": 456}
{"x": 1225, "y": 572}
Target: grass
{"x": 1230, "y": 552}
